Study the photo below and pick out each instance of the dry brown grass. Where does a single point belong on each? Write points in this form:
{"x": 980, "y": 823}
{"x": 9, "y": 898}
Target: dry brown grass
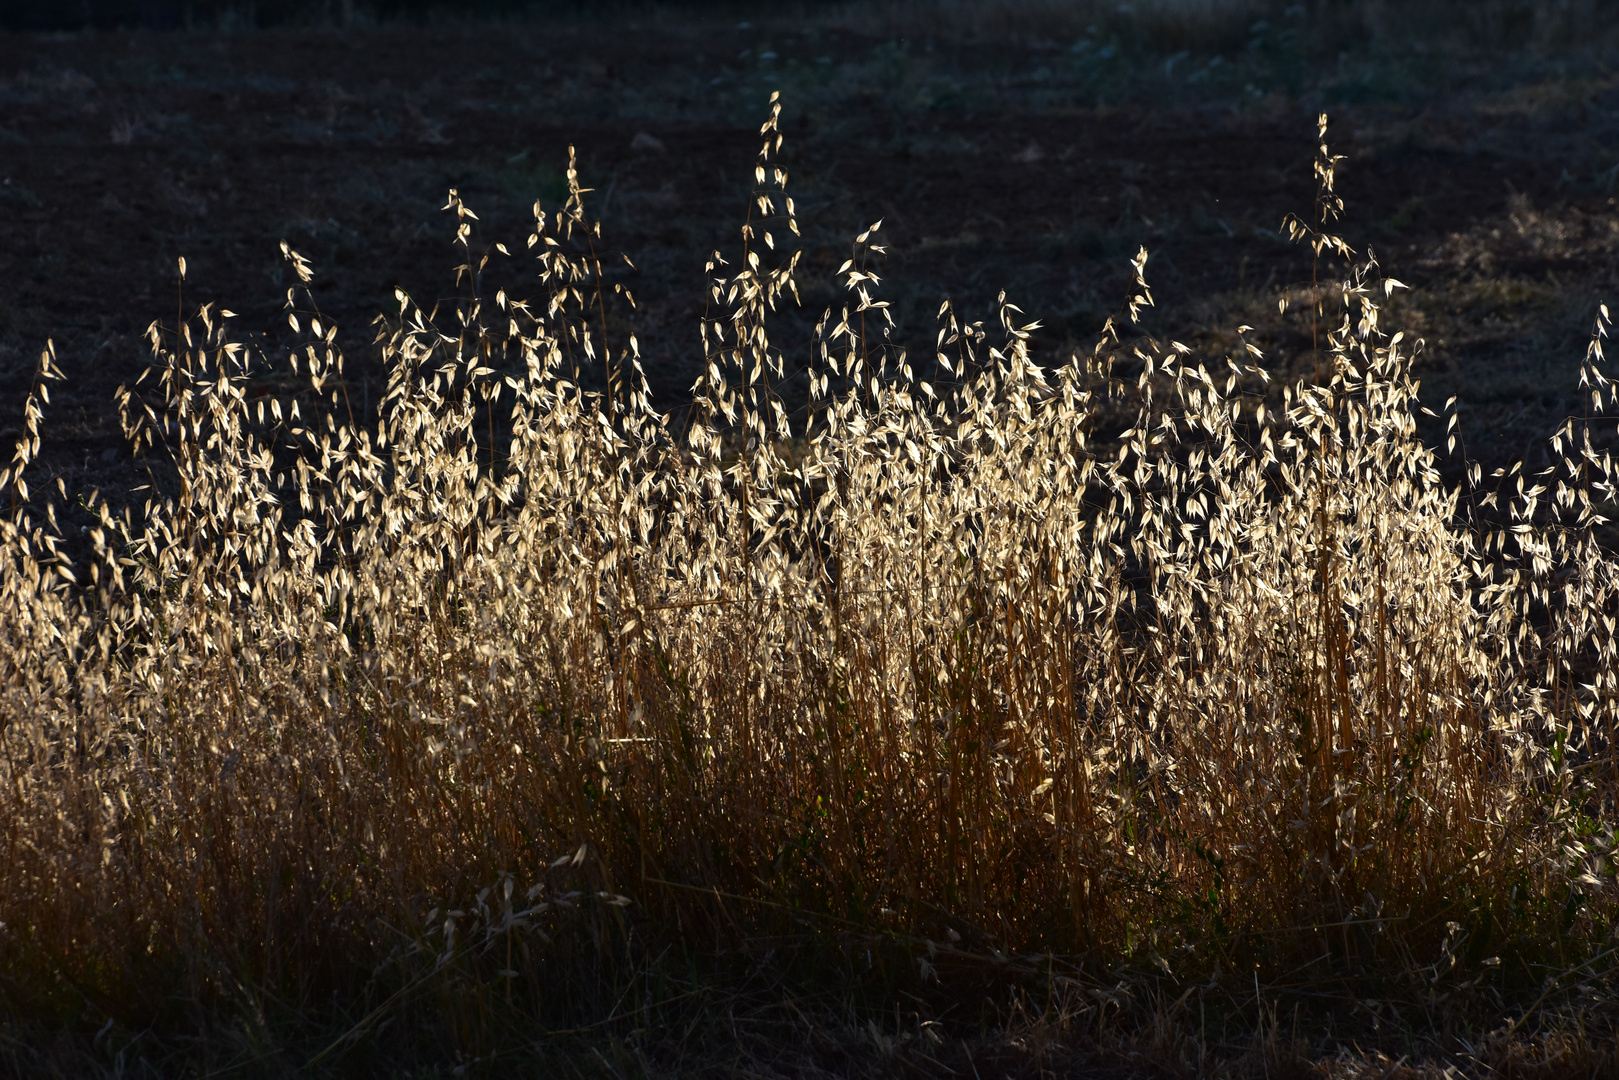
{"x": 525, "y": 707}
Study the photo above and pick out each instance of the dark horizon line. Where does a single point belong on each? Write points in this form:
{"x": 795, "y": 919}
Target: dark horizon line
{"x": 34, "y": 16}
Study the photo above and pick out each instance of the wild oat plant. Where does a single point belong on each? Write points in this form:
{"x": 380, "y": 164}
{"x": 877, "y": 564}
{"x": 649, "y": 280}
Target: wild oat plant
{"x": 521, "y": 681}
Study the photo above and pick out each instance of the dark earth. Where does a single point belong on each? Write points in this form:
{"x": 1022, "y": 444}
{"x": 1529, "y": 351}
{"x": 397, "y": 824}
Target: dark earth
{"x": 1031, "y": 159}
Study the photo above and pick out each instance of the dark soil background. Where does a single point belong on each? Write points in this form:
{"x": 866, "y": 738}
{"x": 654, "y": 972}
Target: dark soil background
{"x": 1026, "y": 147}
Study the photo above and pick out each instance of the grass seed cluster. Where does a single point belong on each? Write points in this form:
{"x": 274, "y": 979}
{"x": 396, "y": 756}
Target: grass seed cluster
{"x": 513, "y": 684}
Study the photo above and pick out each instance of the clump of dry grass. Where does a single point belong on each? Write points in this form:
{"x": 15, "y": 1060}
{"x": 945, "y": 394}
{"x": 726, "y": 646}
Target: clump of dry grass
{"x": 506, "y": 695}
